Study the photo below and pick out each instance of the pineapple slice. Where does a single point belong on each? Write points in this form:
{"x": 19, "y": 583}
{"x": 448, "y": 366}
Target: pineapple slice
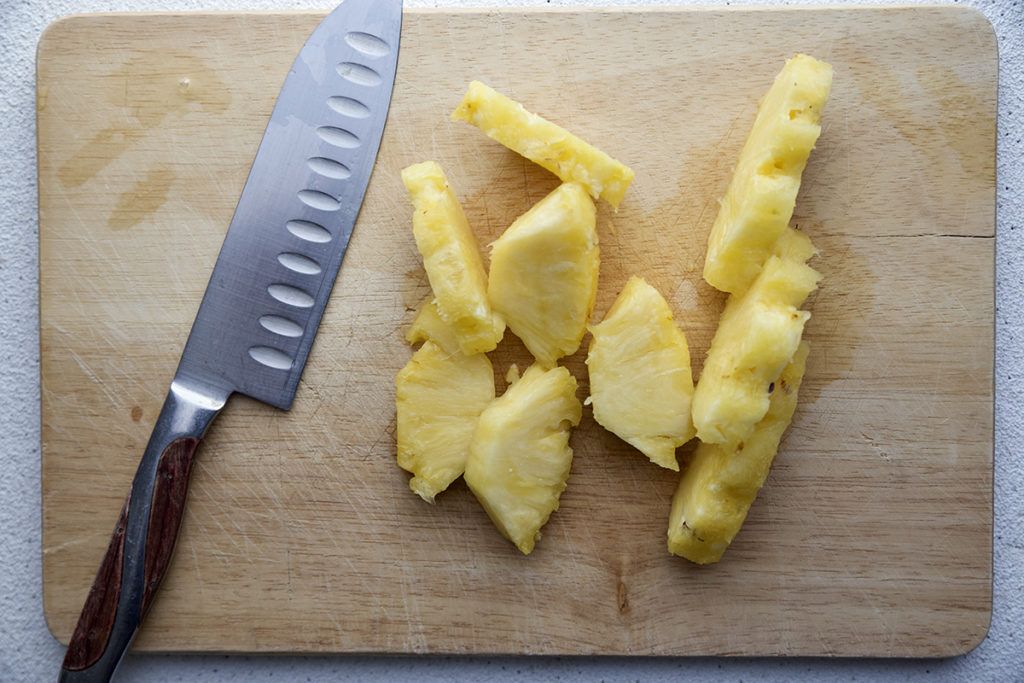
{"x": 519, "y": 458}
{"x": 544, "y": 143}
{"x": 762, "y": 193}
{"x": 757, "y": 336}
{"x": 640, "y": 381}
{"x": 429, "y": 326}
{"x": 721, "y": 482}
{"x": 439, "y": 396}
{"x": 452, "y": 260}
{"x": 543, "y": 277}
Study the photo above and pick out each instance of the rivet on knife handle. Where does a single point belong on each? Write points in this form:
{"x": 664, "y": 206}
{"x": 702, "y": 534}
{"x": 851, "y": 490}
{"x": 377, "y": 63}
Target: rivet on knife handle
{"x": 262, "y": 307}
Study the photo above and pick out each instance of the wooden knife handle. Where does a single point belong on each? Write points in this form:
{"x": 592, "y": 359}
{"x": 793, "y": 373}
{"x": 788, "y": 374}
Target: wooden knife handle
{"x": 143, "y": 541}
{"x": 97, "y": 619}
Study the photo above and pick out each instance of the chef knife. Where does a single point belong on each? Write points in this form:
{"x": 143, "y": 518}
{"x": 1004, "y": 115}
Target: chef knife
{"x": 263, "y": 304}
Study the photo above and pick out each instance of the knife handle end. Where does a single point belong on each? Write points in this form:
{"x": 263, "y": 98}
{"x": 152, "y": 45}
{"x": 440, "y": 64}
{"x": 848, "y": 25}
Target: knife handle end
{"x": 96, "y": 625}
{"x": 92, "y": 632}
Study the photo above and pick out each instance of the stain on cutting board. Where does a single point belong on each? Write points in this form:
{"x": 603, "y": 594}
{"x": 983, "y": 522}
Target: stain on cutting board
{"x": 147, "y": 92}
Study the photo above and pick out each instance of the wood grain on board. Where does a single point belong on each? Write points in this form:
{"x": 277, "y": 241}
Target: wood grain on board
{"x": 873, "y": 533}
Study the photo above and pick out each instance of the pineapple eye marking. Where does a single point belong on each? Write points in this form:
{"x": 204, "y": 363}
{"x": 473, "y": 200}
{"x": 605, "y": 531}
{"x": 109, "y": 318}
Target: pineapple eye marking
{"x": 358, "y": 74}
{"x": 309, "y": 231}
{"x": 293, "y": 296}
{"x": 346, "y": 106}
{"x": 299, "y": 263}
{"x": 367, "y": 44}
{"x": 329, "y": 168}
{"x": 281, "y": 325}
{"x": 339, "y": 137}
{"x": 319, "y": 200}
{"x": 271, "y": 357}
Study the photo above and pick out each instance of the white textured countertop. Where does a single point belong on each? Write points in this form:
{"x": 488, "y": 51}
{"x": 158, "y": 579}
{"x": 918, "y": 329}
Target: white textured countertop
{"x": 30, "y": 653}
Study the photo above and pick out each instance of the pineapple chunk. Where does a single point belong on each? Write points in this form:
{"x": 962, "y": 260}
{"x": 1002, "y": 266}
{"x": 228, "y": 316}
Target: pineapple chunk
{"x": 543, "y": 277}
{"x": 452, "y": 260}
{"x": 439, "y": 396}
{"x": 793, "y": 245}
{"x": 640, "y": 381}
{"x": 519, "y": 458}
{"x": 757, "y": 336}
{"x": 429, "y": 326}
{"x": 544, "y": 143}
{"x": 721, "y": 482}
{"x": 762, "y": 193}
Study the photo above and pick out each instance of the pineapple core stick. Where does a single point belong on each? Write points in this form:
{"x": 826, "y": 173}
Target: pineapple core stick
{"x": 762, "y": 193}
{"x": 544, "y": 143}
{"x": 721, "y": 482}
{"x": 757, "y": 335}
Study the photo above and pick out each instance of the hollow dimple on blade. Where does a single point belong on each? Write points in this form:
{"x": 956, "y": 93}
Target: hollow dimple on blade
{"x": 292, "y": 225}
{"x": 370, "y": 45}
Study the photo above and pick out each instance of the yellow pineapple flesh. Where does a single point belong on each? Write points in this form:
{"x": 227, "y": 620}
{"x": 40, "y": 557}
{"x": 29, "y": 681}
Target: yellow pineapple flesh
{"x": 519, "y": 457}
{"x": 439, "y": 396}
{"x": 640, "y": 380}
{"x": 793, "y": 245}
{"x": 762, "y": 193}
{"x": 544, "y": 267}
{"x": 757, "y": 335}
{"x": 720, "y": 483}
{"x": 545, "y": 143}
{"x": 428, "y": 326}
{"x": 452, "y": 259}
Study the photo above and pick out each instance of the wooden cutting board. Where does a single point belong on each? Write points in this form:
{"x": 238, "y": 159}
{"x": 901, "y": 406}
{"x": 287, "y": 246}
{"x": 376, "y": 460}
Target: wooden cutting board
{"x": 873, "y": 533}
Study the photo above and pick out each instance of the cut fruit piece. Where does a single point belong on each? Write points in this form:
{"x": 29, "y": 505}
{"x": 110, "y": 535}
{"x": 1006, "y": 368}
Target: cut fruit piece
{"x": 542, "y": 142}
{"x": 452, "y": 259}
{"x": 519, "y": 458}
{"x": 757, "y": 336}
{"x": 544, "y": 268}
{"x": 793, "y": 245}
{"x": 720, "y": 483}
{"x": 428, "y": 326}
{"x": 439, "y": 396}
{"x": 762, "y": 193}
{"x": 640, "y": 381}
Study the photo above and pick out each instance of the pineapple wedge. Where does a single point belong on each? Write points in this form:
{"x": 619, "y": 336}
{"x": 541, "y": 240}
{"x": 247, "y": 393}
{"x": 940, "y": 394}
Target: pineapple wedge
{"x": 757, "y": 335}
{"x": 721, "y": 482}
{"x": 542, "y": 142}
{"x": 762, "y": 193}
{"x": 439, "y": 396}
{"x": 543, "y": 278}
{"x": 519, "y": 457}
{"x": 452, "y": 259}
{"x": 640, "y": 380}
{"x": 428, "y": 326}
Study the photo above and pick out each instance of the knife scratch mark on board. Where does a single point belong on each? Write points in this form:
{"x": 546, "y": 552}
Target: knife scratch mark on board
{"x": 87, "y": 538}
{"x": 415, "y": 639}
{"x": 93, "y": 377}
{"x": 231, "y": 538}
{"x": 195, "y": 563}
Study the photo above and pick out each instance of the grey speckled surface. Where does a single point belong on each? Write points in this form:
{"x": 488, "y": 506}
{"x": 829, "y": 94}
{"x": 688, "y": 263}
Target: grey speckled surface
{"x": 30, "y": 653}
